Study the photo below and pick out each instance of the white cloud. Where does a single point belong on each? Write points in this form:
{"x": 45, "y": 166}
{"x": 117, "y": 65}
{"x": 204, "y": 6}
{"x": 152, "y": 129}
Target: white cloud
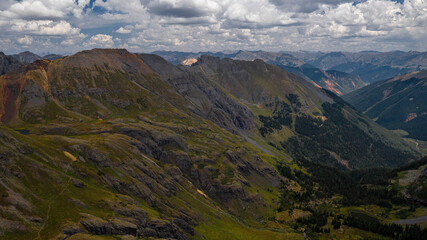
{"x": 40, "y": 9}
{"x": 100, "y": 40}
{"x": 193, "y": 25}
{"x": 44, "y": 27}
{"x": 368, "y": 19}
{"x": 68, "y": 42}
{"x": 26, "y": 40}
{"x": 255, "y": 14}
{"x": 124, "y": 30}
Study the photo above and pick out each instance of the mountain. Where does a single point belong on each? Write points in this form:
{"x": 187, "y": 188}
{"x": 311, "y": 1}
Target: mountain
{"x": 8, "y": 63}
{"x": 52, "y": 56}
{"x": 396, "y": 103}
{"x": 370, "y": 66}
{"x": 109, "y": 144}
{"x": 336, "y": 81}
{"x": 27, "y": 57}
{"x": 176, "y": 57}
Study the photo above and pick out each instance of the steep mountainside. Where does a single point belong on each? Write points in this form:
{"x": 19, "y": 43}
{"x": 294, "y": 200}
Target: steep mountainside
{"x": 121, "y": 145}
{"x": 396, "y": 103}
{"x": 8, "y": 63}
{"x": 288, "y": 107}
{"x": 370, "y": 66}
{"x": 336, "y": 81}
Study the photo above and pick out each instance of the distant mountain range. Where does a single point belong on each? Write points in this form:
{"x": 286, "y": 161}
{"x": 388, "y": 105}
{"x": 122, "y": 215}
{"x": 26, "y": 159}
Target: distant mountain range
{"x": 29, "y": 57}
{"x": 369, "y": 65}
{"x": 396, "y": 103}
{"x": 10, "y": 63}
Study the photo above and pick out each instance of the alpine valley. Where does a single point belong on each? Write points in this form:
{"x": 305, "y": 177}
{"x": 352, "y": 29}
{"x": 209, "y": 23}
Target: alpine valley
{"x": 108, "y": 144}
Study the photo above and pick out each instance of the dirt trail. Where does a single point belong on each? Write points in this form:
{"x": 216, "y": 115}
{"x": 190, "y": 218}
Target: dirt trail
{"x": 50, "y": 205}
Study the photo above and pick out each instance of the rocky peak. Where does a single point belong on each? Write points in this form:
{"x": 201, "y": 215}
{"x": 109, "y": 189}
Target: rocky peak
{"x": 112, "y": 59}
{"x": 189, "y": 61}
{"x": 27, "y": 57}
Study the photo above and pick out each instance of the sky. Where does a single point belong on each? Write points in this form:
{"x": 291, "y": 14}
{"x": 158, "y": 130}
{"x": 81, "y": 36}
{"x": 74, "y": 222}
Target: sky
{"x": 68, "y": 26}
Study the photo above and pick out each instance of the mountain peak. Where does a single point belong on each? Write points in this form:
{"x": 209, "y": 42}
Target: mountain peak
{"x": 27, "y": 57}
{"x": 107, "y": 58}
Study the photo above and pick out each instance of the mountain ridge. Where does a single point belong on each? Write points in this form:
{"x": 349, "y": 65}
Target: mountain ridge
{"x": 340, "y": 83}
{"x": 370, "y": 66}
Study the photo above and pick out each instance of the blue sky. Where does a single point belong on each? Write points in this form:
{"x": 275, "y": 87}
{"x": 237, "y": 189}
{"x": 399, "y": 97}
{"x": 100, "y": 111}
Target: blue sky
{"x": 67, "y": 26}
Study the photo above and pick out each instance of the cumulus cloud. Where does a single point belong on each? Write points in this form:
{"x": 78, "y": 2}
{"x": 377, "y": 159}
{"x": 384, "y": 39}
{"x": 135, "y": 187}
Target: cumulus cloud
{"x": 68, "y": 42}
{"x": 26, "y": 40}
{"x": 255, "y": 14}
{"x": 100, "y": 40}
{"x": 45, "y": 27}
{"x": 40, "y": 9}
{"x": 125, "y": 30}
{"x": 369, "y": 19}
{"x": 194, "y": 25}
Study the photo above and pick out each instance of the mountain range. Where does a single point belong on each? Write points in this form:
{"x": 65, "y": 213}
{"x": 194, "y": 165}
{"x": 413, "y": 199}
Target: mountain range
{"x": 339, "y": 72}
{"x": 106, "y": 143}
{"x": 362, "y": 67}
{"x": 29, "y": 57}
{"x": 336, "y": 81}
{"x": 14, "y": 62}
{"x": 371, "y": 66}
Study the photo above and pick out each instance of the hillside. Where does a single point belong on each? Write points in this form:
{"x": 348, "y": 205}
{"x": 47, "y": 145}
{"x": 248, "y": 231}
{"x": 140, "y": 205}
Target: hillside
{"x": 108, "y": 144}
{"x": 338, "y": 82}
{"x": 396, "y": 103}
